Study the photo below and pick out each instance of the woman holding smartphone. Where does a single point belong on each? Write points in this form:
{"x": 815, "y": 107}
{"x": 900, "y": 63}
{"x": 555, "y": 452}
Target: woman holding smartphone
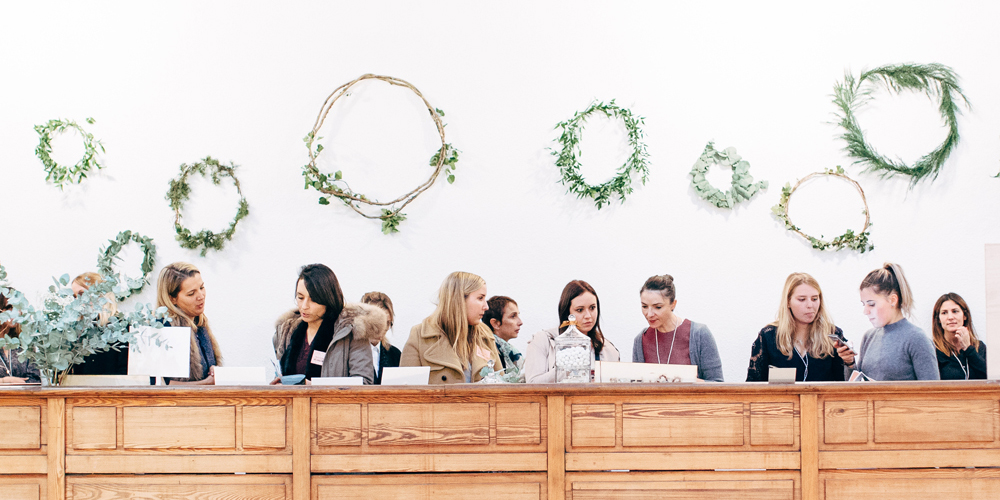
{"x": 803, "y": 337}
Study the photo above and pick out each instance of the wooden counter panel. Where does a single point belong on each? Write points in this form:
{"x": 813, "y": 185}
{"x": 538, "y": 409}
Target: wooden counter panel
{"x": 337, "y": 425}
{"x": 429, "y": 462}
{"x": 670, "y": 461}
{"x": 177, "y": 464}
{"x": 772, "y": 424}
{"x": 592, "y": 425}
{"x": 739, "y": 485}
{"x": 431, "y": 487}
{"x": 23, "y": 464}
{"x": 22, "y": 487}
{"x": 845, "y": 422}
{"x": 967, "y": 484}
{"x": 264, "y": 426}
{"x": 682, "y": 424}
{"x": 179, "y": 427}
{"x": 94, "y": 428}
{"x": 921, "y": 421}
{"x": 20, "y": 427}
{"x": 428, "y": 424}
{"x": 519, "y": 423}
{"x": 265, "y": 487}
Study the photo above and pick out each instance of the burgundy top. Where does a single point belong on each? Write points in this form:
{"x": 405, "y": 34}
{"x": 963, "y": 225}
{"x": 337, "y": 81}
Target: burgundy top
{"x": 681, "y": 354}
{"x": 302, "y": 360}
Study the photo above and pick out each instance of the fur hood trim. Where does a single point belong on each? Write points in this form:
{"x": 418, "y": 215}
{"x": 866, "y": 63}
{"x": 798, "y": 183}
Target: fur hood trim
{"x": 365, "y": 321}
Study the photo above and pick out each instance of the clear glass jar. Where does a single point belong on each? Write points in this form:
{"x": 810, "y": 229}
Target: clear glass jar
{"x": 573, "y": 357}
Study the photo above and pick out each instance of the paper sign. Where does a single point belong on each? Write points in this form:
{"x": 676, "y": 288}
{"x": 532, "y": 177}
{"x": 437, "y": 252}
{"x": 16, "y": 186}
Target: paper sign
{"x": 241, "y": 375}
{"x": 615, "y": 372}
{"x": 318, "y": 357}
{"x": 338, "y": 381}
{"x": 172, "y": 358}
{"x": 780, "y": 375}
{"x": 408, "y": 375}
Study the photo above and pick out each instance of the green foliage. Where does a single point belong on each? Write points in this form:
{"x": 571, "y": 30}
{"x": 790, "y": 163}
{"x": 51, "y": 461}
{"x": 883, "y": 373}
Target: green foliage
{"x": 59, "y": 174}
{"x": 107, "y": 257}
{"x": 180, "y": 191}
{"x": 937, "y": 81}
{"x": 854, "y": 241}
{"x": 450, "y": 160}
{"x": 743, "y": 187}
{"x": 569, "y": 165}
{"x": 66, "y": 329}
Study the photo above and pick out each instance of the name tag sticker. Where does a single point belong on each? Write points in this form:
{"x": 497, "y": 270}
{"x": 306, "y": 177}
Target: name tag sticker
{"x": 318, "y": 357}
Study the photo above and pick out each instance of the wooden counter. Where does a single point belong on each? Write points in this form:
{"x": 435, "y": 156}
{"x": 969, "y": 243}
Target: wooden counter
{"x": 713, "y": 441}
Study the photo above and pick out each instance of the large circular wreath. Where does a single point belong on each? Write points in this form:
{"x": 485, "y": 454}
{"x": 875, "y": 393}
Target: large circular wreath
{"x": 61, "y": 175}
{"x": 850, "y": 239}
{"x": 569, "y": 165}
{"x": 445, "y": 159}
{"x": 181, "y": 191}
{"x": 743, "y": 186}
{"x": 107, "y": 257}
{"x": 934, "y": 80}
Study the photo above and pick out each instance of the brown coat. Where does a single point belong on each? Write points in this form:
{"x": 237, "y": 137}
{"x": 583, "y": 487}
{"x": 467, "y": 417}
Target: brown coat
{"x": 428, "y": 346}
{"x": 350, "y": 351}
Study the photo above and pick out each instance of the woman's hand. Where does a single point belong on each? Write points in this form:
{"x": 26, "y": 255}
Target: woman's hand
{"x": 845, "y": 354}
{"x": 960, "y": 338}
{"x": 13, "y": 380}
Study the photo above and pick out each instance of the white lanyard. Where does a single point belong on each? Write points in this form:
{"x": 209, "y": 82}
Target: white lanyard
{"x": 965, "y": 369}
{"x": 805, "y": 361}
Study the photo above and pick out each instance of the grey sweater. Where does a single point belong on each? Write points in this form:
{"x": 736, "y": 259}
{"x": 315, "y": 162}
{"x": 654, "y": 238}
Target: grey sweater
{"x": 900, "y": 351}
{"x": 703, "y": 351}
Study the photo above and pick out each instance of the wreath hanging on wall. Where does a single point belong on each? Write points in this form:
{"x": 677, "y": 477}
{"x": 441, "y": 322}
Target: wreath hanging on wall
{"x": 569, "y": 165}
{"x": 107, "y": 257}
{"x": 180, "y": 191}
{"x": 60, "y": 175}
{"x": 743, "y": 187}
{"x": 850, "y": 239}
{"x": 444, "y": 160}
{"x": 937, "y": 81}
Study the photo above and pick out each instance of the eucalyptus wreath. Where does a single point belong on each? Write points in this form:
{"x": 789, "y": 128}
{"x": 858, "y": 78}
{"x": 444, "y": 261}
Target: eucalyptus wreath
{"x": 850, "y": 239}
{"x": 444, "y": 160}
{"x": 107, "y": 257}
{"x": 180, "y": 191}
{"x": 743, "y": 187}
{"x": 569, "y": 165}
{"x": 937, "y": 81}
{"x": 61, "y": 175}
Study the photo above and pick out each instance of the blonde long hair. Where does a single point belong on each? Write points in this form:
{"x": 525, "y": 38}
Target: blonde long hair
{"x": 168, "y": 285}
{"x": 820, "y": 345}
{"x": 451, "y": 316}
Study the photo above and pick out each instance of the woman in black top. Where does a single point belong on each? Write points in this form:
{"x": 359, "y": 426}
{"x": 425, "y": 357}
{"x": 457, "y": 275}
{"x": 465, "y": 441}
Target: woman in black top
{"x": 960, "y": 353}
{"x": 800, "y": 337}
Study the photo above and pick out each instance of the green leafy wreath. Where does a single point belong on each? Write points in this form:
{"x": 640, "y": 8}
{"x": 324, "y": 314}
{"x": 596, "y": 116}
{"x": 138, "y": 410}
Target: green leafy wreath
{"x": 934, "y": 80}
{"x": 58, "y": 174}
{"x": 444, "y": 160}
{"x": 180, "y": 191}
{"x": 569, "y": 165}
{"x": 105, "y": 261}
{"x": 743, "y": 186}
{"x": 850, "y": 239}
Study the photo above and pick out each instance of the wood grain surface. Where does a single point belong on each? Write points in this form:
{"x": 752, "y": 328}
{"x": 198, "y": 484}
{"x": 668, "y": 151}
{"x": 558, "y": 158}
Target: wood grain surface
{"x": 685, "y": 424}
{"x": 20, "y": 427}
{"x": 261, "y": 487}
{"x": 179, "y": 427}
{"x": 428, "y": 423}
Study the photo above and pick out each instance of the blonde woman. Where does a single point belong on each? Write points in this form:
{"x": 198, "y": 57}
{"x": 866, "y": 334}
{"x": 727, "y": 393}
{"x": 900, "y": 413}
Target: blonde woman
{"x": 800, "y": 337}
{"x": 182, "y": 291}
{"x": 453, "y": 340}
{"x": 113, "y": 361}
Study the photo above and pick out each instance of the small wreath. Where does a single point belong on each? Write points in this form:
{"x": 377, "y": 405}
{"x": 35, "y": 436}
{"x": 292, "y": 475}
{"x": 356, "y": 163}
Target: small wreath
{"x": 59, "y": 174}
{"x": 934, "y": 80}
{"x": 850, "y": 239}
{"x": 181, "y": 191}
{"x": 569, "y": 165}
{"x": 743, "y": 186}
{"x": 445, "y": 159}
{"x": 105, "y": 261}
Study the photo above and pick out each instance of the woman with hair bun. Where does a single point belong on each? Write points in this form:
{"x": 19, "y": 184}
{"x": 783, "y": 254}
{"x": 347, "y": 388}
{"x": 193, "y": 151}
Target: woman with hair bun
{"x": 960, "y": 353}
{"x": 453, "y": 341}
{"x": 670, "y": 339}
{"x": 895, "y": 349}
{"x": 182, "y": 291}
{"x": 579, "y": 299}
{"x": 801, "y": 336}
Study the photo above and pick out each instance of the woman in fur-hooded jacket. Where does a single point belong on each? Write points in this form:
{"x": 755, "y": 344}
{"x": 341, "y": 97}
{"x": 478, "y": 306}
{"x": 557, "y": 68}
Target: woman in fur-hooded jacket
{"x": 323, "y": 337}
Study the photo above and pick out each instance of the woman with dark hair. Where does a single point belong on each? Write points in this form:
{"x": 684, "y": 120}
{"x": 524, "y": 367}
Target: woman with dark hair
{"x": 323, "y": 336}
{"x": 894, "y": 349}
{"x": 579, "y": 299}
{"x": 960, "y": 353}
{"x": 504, "y": 320}
{"x": 13, "y": 371}
{"x": 670, "y": 339}
{"x": 384, "y": 354}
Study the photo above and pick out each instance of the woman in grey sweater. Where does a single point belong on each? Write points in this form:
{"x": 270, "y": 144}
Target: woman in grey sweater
{"x": 895, "y": 349}
{"x": 670, "y": 339}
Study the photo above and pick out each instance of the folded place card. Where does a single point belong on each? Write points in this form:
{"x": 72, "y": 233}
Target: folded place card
{"x": 406, "y": 375}
{"x": 615, "y": 372}
{"x": 172, "y": 358}
{"x": 241, "y": 375}
{"x": 780, "y": 375}
{"x": 105, "y": 380}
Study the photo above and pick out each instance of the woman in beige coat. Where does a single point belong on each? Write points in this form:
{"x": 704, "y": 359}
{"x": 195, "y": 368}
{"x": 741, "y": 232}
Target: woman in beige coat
{"x": 453, "y": 341}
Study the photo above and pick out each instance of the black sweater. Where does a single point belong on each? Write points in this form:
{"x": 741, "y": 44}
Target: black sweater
{"x": 975, "y": 362}
{"x": 765, "y": 353}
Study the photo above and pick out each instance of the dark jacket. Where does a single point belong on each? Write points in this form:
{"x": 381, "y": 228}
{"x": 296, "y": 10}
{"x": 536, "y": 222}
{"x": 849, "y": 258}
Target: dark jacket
{"x": 951, "y": 368}
{"x": 23, "y": 369}
{"x": 387, "y": 358}
{"x": 110, "y": 362}
{"x": 765, "y": 353}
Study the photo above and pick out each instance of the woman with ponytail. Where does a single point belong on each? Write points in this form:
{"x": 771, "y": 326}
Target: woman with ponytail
{"x": 453, "y": 341}
{"x": 895, "y": 349}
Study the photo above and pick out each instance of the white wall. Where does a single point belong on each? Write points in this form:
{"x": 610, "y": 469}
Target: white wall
{"x": 172, "y": 82}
